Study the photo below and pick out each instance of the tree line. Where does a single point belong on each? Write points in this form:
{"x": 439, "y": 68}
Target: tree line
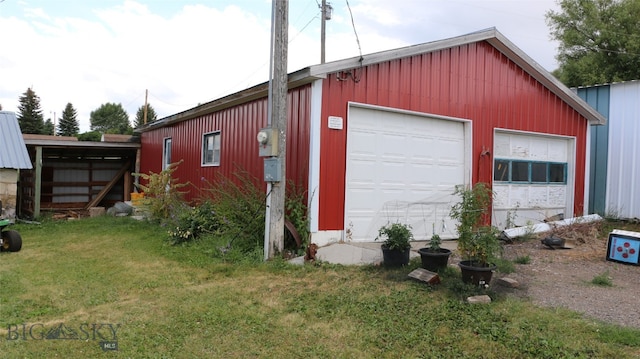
{"x": 109, "y": 118}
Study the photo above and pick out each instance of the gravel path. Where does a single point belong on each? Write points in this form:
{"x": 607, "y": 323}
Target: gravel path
{"x": 562, "y": 278}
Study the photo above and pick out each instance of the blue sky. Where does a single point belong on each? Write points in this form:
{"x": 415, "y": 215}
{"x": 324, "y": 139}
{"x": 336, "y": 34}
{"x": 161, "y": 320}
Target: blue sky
{"x": 187, "y": 52}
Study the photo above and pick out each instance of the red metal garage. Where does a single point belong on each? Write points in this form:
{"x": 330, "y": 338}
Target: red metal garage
{"x": 450, "y": 109}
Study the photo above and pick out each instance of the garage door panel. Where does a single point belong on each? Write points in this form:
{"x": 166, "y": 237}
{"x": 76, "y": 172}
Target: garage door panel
{"x": 412, "y": 158}
{"x": 363, "y": 143}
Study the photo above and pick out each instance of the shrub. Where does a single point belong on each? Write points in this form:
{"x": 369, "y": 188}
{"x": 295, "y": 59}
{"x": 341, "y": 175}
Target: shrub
{"x": 162, "y": 194}
{"x": 296, "y": 212}
{"x": 477, "y": 241}
{"x": 239, "y": 205}
{"x": 395, "y": 236}
{"x": 194, "y": 222}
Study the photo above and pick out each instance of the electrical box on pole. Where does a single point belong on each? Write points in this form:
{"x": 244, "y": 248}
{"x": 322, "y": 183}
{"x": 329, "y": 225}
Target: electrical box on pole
{"x": 267, "y": 142}
{"x": 272, "y": 169}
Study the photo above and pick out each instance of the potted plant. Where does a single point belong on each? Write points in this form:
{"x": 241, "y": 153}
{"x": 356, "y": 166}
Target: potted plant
{"x": 478, "y": 242}
{"x": 434, "y": 257}
{"x": 396, "y": 245}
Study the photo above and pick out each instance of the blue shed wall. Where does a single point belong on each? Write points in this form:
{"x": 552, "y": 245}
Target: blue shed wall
{"x": 599, "y": 98}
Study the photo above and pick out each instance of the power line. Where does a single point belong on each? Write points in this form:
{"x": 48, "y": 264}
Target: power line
{"x": 354, "y": 28}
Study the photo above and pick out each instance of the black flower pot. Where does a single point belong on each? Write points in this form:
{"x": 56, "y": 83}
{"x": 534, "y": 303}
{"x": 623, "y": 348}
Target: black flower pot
{"x": 395, "y": 257}
{"x": 434, "y": 260}
{"x": 476, "y": 274}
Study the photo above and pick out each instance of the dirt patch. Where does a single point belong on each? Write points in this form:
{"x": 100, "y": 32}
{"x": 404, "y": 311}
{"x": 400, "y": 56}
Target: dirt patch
{"x": 562, "y": 277}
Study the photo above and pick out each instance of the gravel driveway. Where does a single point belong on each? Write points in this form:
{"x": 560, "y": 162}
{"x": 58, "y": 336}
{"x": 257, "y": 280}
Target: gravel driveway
{"x": 562, "y": 277}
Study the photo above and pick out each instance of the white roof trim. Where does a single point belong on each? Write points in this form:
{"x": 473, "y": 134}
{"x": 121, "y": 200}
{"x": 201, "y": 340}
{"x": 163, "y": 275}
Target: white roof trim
{"x": 493, "y": 37}
{"x": 308, "y": 74}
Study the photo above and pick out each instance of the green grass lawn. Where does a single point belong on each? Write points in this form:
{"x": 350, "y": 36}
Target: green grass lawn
{"x": 116, "y": 280}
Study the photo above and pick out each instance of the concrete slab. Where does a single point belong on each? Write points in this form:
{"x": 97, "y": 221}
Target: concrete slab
{"x": 347, "y": 254}
{"x": 362, "y": 253}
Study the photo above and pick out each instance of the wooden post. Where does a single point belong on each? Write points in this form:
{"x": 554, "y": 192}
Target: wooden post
{"x": 38, "y": 183}
{"x": 279, "y": 122}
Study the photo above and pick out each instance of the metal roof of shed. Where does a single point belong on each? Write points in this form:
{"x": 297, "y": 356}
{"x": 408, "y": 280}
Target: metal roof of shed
{"x": 13, "y": 152}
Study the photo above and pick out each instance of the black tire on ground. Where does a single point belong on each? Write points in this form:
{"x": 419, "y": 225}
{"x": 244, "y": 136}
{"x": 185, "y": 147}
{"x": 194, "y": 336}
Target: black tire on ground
{"x": 11, "y": 241}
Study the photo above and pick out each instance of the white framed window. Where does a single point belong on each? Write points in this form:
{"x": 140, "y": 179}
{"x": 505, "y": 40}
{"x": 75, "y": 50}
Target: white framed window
{"x": 523, "y": 171}
{"x": 211, "y": 149}
{"x": 166, "y": 153}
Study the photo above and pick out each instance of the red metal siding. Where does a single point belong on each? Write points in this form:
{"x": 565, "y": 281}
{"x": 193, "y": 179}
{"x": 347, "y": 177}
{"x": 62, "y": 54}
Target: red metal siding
{"x": 238, "y": 127}
{"x": 473, "y": 81}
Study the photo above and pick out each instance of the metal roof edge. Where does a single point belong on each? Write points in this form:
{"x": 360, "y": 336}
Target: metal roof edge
{"x": 388, "y": 55}
{"x": 494, "y": 38}
{"x": 538, "y": 72}
{"x": 87, "y": 144}
{"x": 295, "y": 79}
{"x": 13, "y": 152}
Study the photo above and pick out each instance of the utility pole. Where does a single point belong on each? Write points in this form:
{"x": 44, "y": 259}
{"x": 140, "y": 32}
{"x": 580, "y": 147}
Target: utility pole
{"x": 278, "y": 120}
{"x": 325, "y": 14}
{"x": 144, "y": 117}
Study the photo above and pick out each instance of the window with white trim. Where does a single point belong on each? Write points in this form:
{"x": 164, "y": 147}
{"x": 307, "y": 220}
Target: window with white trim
{"x": 211, "y": 149}
{"x": 166, "y": 153}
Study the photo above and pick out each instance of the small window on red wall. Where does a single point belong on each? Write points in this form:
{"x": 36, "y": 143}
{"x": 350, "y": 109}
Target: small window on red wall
{"x": 211, "y": 149}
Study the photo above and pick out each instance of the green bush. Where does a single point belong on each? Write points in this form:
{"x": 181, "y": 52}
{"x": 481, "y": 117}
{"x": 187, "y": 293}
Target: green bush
{"x": 395, "y": 236}
{"x": 194, "y": 223}
{"x": 163, "y": 198}
{"x": 239, "y": 205}
{"x": 296, "y": 212}
{"x": 230, "y": 208}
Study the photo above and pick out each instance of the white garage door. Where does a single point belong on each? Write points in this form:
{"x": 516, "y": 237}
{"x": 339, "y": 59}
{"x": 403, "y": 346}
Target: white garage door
{"x": 402, "y": 167}
{"x": 533, "y": 178}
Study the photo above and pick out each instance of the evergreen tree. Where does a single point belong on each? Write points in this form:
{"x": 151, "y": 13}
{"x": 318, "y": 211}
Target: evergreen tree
{"x": 29, "y": 113}
{"x": 68, "y": 125}
{"x": 151, "y": 116}
{"x": 110, "y": 118}
{"x": 48, "y": 127}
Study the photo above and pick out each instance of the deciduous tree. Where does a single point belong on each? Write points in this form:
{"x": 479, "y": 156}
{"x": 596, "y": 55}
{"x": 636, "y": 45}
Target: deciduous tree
{"x": 110, "y": 118}
{"x": 599, "y": 41}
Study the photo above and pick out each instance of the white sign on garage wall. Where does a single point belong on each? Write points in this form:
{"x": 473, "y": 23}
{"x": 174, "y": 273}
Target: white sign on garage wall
{"x": 335, "y": 123}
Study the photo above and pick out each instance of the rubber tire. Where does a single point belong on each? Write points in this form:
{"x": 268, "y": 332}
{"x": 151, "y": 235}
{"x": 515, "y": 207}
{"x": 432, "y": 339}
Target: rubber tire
{"x": 11, "y": 241}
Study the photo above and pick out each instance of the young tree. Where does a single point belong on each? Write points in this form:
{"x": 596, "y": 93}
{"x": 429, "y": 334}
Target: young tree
{"x": 29, "y": 113}
{"x": 68, "y": 125}
{"x": 94, "y": 136}
{"x": 599, "y": 41}
{"x": 48, "y": 127}
{"x": 110, "y": 118}
{"x": 151, "y": 116}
